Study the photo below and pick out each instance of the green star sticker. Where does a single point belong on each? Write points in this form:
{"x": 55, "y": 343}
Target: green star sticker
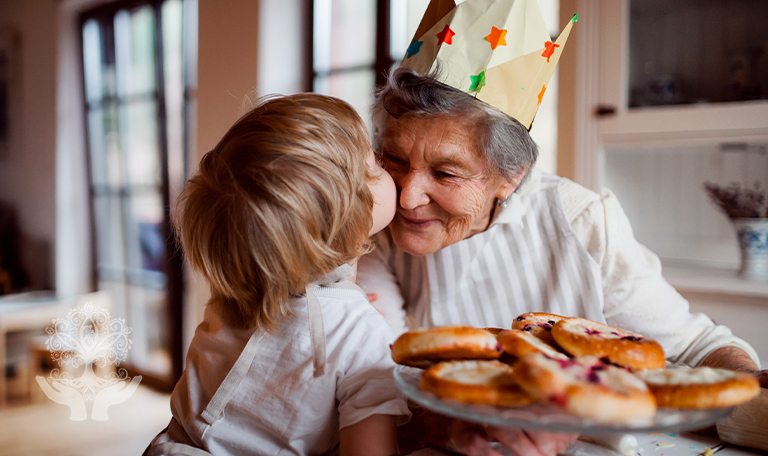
{"x": 477, "y": 82}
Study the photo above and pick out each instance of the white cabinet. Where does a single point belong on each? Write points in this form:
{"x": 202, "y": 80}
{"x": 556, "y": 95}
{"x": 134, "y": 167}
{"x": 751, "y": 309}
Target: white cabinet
{"x": 660, "y": 97}
{"x": 687, "y": 71}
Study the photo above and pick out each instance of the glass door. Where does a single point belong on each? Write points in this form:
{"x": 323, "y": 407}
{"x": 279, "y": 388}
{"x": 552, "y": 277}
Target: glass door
{"x": 134, "y": 97}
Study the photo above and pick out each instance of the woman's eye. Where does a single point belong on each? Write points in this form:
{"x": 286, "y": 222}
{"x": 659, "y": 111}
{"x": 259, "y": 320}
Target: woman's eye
{"x": 389, "y": 159}
{"x": 444, "y": 175}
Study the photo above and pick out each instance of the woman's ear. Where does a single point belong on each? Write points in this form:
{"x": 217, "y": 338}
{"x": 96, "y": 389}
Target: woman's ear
{"x": 507, "y": 188}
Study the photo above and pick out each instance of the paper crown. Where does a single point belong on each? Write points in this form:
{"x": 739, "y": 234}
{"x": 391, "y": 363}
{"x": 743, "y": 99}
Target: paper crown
{"x": 499, "y": 50}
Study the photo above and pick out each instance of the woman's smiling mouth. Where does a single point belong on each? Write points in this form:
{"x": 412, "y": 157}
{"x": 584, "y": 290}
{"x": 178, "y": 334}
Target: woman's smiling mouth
{"x": 418, "y": 223}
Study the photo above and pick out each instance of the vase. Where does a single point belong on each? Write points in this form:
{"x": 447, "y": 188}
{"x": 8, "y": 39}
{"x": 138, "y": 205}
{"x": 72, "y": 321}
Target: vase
{"x": 753, "y": 243}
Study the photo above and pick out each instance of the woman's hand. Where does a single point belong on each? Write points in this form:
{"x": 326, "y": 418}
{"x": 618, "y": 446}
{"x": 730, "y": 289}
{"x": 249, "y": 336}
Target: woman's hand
{"x": 532, "y": 443}
{"x": 736, "y": 359}
{"x": 472, "y": 439}
{"x": 428, "y": 428}
{"x": 762, "y": 377}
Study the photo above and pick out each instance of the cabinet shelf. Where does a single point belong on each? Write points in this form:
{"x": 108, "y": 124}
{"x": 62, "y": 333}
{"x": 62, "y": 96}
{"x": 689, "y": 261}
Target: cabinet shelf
{"x": 698, "y": 123}
{"x": 702, "y": 279}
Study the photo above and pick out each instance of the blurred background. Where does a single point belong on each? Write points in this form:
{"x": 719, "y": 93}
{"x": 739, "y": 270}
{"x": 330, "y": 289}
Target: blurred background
{"x": 107, "y": 106}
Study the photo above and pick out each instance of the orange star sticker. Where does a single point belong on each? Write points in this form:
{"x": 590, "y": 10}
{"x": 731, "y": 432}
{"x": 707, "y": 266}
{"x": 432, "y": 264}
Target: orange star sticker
{"x": 541, "y": 94}
{"x": 496, "y": 38}
{"x": 549, "y": 49}
{"x": 446, "y": 36}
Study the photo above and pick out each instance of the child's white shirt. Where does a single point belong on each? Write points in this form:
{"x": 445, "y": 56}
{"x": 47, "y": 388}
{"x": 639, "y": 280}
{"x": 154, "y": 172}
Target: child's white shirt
{"x": 279, "y": 406}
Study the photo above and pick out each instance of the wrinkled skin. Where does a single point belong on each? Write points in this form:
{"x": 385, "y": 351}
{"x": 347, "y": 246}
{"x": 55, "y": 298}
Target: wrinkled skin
{"x": 446, "y": 191}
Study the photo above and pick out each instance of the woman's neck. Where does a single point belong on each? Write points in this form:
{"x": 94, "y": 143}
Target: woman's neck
{"x": 484, "y": 221}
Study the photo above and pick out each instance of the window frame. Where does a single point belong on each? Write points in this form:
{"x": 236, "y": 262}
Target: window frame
{"x": 382, "y": 59}
{"x": 173, "y": 261}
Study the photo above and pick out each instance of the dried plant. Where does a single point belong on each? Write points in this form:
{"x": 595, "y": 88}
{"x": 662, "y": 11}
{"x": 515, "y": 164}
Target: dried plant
{"x": 737, "y": 202}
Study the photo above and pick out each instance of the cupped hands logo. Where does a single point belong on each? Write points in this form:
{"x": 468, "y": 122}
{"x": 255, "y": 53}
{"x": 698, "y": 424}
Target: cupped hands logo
{"x": 88, "y": 337}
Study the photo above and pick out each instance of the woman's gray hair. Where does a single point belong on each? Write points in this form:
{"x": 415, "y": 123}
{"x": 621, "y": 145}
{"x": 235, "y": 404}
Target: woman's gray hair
{"x": 507, "y": 146}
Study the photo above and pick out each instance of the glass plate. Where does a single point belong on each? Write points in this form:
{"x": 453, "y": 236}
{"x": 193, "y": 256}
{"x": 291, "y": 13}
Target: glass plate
{"x": 547, "y": 417}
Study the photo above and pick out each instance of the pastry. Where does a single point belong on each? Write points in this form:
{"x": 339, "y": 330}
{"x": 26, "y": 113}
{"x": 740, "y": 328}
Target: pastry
{"x": 700, "y": 388}
{"x": 537, "y": 323}
{"x": 495, "y": 331}
{"x": 476, "y": 382}
{"x": 582, "y": 337}
{"x": 586, "y": 387}
{"x": 424, "y": 347}
{"x": 521, "y": 343}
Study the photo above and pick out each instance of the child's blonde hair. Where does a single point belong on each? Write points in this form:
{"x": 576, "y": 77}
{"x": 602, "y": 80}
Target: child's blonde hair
{"x": 279, "y": 202}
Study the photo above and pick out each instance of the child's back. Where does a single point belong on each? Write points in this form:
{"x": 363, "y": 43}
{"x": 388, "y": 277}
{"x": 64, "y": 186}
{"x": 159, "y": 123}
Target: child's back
{"x": 289, "y": 352}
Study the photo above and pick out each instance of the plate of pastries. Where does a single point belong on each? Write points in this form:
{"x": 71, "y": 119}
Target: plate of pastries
{"x": 562, "y": 374}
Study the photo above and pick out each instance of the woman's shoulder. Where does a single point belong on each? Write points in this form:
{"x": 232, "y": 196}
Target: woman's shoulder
{"x": 575, "y": 198}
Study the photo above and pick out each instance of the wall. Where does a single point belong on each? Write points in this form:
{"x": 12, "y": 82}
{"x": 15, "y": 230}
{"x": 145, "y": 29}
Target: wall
{"x": 73, "y": 236}
{"x": 228, "y": 53}
{"x": 673, "y": 215}
{"x": 28, "y": 170}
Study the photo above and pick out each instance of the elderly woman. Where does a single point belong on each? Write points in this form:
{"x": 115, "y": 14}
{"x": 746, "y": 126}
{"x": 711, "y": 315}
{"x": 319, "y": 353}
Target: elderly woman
{"x": 480, "y": 236}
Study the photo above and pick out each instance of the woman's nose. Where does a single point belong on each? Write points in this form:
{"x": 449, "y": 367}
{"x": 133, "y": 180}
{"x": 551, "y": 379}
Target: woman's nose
{"x": 413, "y": 191}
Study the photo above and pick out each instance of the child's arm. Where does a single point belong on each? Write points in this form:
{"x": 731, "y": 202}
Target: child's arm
{"x": 373, "y": 436}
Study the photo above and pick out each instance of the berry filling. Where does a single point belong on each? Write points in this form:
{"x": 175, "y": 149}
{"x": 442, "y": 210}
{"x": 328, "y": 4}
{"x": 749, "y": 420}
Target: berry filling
{"x": 607, "y": 361}
{"x": 564, "y": 363}
{"x": 558, "y": 399}
{"x": 591, "y": 331}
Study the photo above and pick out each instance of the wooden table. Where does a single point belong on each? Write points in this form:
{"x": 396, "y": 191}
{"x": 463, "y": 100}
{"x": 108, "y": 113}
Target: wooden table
{"x": 26, "y": 311}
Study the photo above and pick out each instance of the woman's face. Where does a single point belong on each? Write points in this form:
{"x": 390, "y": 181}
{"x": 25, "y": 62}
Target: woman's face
{"x": 383, "y": 191}
{"x": 445, "y": 189}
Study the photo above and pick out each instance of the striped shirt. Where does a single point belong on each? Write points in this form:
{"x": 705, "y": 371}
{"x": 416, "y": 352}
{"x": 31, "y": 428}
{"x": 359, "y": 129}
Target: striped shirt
{"x": 558, "y": 248}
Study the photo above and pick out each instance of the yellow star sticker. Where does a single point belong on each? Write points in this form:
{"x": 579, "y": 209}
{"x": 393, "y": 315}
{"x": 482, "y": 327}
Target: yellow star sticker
{"x": 496, "y": 38}
{"x": 541, "y": 94}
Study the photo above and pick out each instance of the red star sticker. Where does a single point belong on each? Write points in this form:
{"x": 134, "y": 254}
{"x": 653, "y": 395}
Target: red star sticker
{"x": 496, "y": 37}
{"x": 549, "y": 49}
{"x": 541, "y": 94}
{"x": 446, "y": 36}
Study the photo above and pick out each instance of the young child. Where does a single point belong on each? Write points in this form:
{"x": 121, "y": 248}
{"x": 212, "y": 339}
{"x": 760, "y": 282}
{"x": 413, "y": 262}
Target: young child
{"x": 291, "y": 358}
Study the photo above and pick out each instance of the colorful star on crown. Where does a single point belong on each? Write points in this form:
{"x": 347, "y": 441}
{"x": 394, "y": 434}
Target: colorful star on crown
{"x": 445, "y": 36}
{"x": 521, "y": 52}
{"x": 477, "y": 82}
{"x": 496, "y": 38}
{"x": 413, "y": 49}
{"x": 541, "y": 94}
{"x": 549, "y": 49}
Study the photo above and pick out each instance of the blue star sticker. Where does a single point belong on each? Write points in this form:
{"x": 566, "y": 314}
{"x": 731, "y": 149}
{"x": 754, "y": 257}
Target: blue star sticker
{"x": 413, "y": 49}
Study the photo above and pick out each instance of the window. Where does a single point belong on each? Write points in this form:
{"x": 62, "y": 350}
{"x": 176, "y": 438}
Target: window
{"x": 344, "y": 50}
{"x": 353, "y": 45}
{"x": 135, "y": 83}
